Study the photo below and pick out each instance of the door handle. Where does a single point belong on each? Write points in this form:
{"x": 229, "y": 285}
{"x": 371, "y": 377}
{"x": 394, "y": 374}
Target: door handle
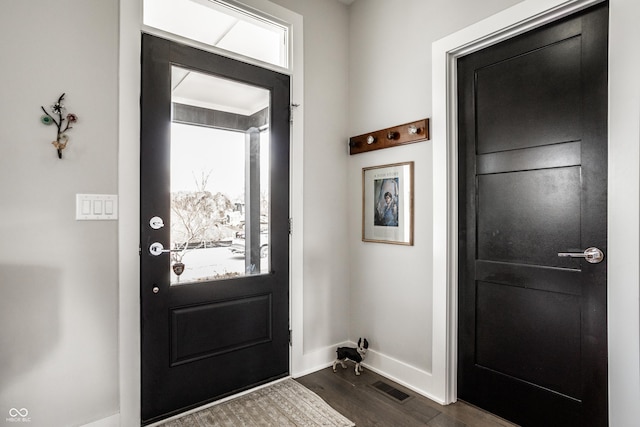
{"x": 592, "y": 255}
{"x": 156, "y": 249}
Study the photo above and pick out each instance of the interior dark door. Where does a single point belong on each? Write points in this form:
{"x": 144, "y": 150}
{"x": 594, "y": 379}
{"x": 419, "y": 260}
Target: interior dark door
{"x": 214, "y": 253}
{"x": 533, "y": 180}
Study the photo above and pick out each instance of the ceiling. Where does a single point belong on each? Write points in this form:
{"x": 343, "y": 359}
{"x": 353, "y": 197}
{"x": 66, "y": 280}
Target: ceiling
{"x": 215, "y": 93}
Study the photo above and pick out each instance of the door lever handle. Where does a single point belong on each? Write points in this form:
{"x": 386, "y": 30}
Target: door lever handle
{"x": 156, "y": 249}
{"x": 592, "y": 255}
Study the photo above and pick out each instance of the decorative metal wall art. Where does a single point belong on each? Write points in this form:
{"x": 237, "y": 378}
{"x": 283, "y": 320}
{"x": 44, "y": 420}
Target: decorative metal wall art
{"x": 58, "y": 109}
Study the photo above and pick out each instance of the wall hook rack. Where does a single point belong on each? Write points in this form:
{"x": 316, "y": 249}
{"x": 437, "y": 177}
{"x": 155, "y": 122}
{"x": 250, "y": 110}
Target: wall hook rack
{"x": 390, "y": 137}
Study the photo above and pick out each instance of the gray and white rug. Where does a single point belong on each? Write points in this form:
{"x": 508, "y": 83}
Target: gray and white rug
{"x": 284, "y": 404}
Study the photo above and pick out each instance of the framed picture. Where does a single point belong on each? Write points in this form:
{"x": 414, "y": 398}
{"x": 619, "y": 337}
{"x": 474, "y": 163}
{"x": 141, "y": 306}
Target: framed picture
{"x": 387, "y": 204}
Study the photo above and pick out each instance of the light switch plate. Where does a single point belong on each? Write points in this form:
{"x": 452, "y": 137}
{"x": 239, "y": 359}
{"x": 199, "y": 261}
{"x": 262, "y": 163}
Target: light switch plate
{"x": 93, "y": 207}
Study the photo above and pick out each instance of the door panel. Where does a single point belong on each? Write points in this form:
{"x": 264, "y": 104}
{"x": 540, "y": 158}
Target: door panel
{"x": 527, "y": 349}
{"x": 214, "y": 307}
{"x": 533, "y": 157}
{"x": 527, "y": 100}
{"x": 214, "y": 328}
{"x": 538, "y": 205}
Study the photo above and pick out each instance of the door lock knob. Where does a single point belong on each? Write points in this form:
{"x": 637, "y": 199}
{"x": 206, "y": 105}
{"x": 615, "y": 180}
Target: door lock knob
{"x": 156, "y": 223}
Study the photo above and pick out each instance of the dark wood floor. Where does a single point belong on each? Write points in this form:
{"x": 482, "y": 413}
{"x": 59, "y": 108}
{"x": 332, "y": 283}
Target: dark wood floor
{"x": 356, "y": 398}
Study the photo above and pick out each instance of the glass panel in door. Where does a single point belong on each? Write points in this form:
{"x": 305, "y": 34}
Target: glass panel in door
{"x": 219, "y": 225}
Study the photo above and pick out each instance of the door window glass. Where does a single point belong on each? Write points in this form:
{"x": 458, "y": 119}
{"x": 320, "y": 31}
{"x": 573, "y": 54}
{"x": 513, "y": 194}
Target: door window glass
{"x": 219, "y": 178}
{"x": 217, "y": 23}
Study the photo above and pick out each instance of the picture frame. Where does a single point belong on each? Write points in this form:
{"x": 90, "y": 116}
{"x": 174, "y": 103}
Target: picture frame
{"x": 387, "y": 204}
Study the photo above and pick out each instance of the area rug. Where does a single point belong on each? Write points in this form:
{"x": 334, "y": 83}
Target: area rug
{"x": 282, "y": 404}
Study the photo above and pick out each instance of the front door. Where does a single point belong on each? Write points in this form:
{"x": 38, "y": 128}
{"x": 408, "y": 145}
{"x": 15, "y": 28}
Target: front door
{"x": 214, "y": 244}
{"x": 533, "y": 179}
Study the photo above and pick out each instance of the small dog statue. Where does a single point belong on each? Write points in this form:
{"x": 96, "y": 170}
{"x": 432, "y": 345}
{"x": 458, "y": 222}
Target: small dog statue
{"x": 354, "y": 354}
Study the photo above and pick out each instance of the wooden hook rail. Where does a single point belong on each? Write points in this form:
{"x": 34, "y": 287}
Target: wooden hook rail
{"x": 390, "y": 137}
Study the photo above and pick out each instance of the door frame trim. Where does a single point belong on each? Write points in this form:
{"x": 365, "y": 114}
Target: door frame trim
{"x": 129, "y": 52}
{"x": 509, "y": 23}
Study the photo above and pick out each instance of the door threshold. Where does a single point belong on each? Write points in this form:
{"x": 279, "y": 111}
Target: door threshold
{"x": 217, "y": 402}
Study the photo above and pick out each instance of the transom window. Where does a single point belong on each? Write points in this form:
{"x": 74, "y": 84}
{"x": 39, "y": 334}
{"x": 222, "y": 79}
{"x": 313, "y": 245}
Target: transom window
{"x": 222, "y": 25}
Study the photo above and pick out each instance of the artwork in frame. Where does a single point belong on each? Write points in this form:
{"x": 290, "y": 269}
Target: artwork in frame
{"x": 387, "y": 204}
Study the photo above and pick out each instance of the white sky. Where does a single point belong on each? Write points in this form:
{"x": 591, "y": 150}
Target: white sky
{"x": 197, "y": 149}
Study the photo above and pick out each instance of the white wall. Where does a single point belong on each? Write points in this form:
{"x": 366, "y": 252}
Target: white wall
{"x": 58, "y": 276}
{"x": 326, "y": 252}
{"x": 624, "y": 214}
{"x": 390, "y": 84}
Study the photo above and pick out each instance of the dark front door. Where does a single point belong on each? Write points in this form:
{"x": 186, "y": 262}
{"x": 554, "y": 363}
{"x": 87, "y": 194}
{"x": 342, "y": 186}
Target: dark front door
{"x": 214, "y": 244}
{"x": 533, "y": 180}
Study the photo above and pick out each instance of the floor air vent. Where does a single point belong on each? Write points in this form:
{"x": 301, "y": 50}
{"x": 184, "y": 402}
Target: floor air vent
{"x": 391, "y": 391}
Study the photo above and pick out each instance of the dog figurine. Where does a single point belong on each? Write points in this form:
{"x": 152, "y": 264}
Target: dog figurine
{"x": 354, "y": 354}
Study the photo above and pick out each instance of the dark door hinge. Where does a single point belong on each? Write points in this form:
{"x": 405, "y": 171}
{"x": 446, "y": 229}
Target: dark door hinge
{"x": 291, "y": 107}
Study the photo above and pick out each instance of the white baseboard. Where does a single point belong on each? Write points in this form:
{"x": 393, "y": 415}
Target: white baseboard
{"x": 316, "y": 360}
{"x": 112, "y": 421}
{"x": 415, "y": 379}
